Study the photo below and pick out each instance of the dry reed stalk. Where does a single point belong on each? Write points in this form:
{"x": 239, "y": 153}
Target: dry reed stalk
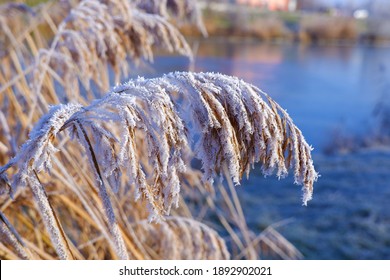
{"x": 29, "y": 28}
{"x": 218, "y": 203}
{"x": 50, "y": 218}
{"x": 273, "y": 245}
{"x": 9, "y": 235}
{"x": 181, "y": 238}
{"x": 79, "y": 229}
{"x": 13, "y": 18}
{"x": 237, "y": 216}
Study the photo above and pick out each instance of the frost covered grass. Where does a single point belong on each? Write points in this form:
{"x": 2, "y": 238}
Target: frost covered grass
{"x": 227, "y": 120}
{"x": 93, "y": 174}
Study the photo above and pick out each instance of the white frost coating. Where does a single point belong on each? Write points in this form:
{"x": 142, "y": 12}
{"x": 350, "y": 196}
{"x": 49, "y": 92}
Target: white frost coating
{"x": 100, "y": 33}
{"x": 48, "y": 217}
{"x": 36, "y": 153}
{"x": 4, "y": 183}
{"x": 229, "y": 122}
{"x": 9, "y": 235}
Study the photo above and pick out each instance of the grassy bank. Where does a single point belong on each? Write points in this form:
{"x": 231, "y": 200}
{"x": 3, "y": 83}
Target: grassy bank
{"x": 292, "y": 26}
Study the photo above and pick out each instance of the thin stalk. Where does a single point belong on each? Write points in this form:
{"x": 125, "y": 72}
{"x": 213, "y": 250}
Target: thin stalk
{"x": 10, "y": 235}
{"x": 104, "y": 196}
{"x": 50, "y": 219}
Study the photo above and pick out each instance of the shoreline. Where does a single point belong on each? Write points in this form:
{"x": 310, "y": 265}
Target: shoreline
{"x": 299, "y": 27}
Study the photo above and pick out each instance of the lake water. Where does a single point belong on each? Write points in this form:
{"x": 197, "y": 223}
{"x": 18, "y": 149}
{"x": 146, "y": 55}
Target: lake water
{"x": 339, "y": 97}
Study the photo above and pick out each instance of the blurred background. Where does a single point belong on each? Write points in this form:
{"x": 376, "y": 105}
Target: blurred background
{"x": 328, "y": 63}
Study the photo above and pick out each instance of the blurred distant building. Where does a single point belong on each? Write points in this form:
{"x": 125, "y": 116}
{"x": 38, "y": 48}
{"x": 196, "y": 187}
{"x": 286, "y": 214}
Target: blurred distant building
{"x": 357, "y": 8}
{"x": 307, "y": 4}
{"x": 272, "y": 5}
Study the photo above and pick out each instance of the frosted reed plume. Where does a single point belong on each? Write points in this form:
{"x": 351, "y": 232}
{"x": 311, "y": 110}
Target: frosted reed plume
{"x": 96, "y": 34}
{"x": 18, "y": 21}
{"x": 94, "y": 40}
{"x": 181, "y": 238}
{"x": 223, "y": 121}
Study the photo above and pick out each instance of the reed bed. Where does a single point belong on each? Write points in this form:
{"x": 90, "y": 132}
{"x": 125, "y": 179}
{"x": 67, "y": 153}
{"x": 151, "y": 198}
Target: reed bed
{"x": 99, "y": 176}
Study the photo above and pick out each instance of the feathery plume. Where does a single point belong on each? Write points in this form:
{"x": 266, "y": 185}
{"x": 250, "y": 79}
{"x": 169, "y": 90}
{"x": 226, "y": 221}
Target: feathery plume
{"x": 100, "y": 33}
{"x": 229, "y": 121}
